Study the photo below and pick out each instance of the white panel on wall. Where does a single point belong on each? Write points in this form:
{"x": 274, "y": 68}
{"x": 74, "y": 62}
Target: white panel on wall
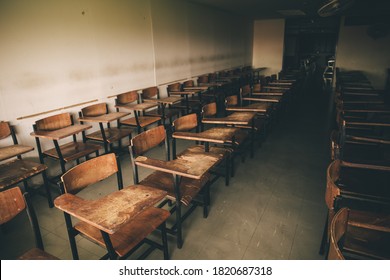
{"x": 201, "y": 36}
{"x": 268, "y": 41}
{"x": 171, "y": 42}
{"x": 222, "y": 43}
{"x": 58, "y": 53}
{"x": 358, "y": 51}
{"x": 125, "y": 44}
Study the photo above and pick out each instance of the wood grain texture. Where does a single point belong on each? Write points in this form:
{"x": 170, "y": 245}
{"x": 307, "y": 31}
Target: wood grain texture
{"x": 193, "y": 166}
{"x": 73, "y": 150}
{"x": 61, "y": 133}
{"x": 131, "y": 233}
{"x": 55, "y": 122}
{"x": 218, "y": 135}
{"x": 237, "y": 118}
{"x": 113, "y": 211}
{"x": 127, "y": 97}
{"x": 148, "y": 139}
{"x": 186, "y": 122}
{"x": 95, "y": 110}
{"x": 89, "y": 172}
{"x": 16, "y": 171}
{"x": 5, "y": 129}
{"x": 150, "y": 92}
{"x": 13, "y": 151}
{"x": 11, "y": 204}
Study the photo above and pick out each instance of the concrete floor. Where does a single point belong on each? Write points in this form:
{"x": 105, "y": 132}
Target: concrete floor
{"x": 273, "y": 209}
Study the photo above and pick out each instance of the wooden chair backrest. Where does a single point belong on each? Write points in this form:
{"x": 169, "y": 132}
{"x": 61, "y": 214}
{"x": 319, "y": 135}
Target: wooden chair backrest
{"x": 209, "y": 110}
{"x": 127, "y": 97}
{"x": 203, "y": 79}
{"x": 257, "y": 87}
{"x": 334, "y": 145}
{"x": 174, "y": 87}
{"x": 186, "y": 122}
{"x": 332, "y": 191}
{"x": 54, "y": 122}
{"x": 89, "y": 172}
{"x": 147, "y": 140}
{"x": 231, "y": 100}
{"x": 189, "y": 83}
{"x": 245, "y": 90}
{"x": 150, "y": 92}
{"x": 11, "y": 204}
{"x": 95, "y": 110}
{"x": 337, "y": 230}
{"x": 5, "y": 129}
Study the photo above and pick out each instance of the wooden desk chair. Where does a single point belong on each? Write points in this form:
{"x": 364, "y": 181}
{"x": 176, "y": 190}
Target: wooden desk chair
{"x": 279, "y": 94}
{"x": 182, "y": 190}
{"x": 107, "y": 135}
{"x": 140, "y": 121}
{"x": 361, "y": 146}
{"x": 262, "y": 120}
{"x": 63, "y": 152}
{"x": 131, "y": 235}
{"x": 357, "y": 188}
{"x": 170, "y": 112}
{"x": 352, "y": 240}
{"x": 206, "y": 96}
{"x": 13, "y": 203}
{"x": 275, "y": 102}
{"x": 264, "y": 108}
{"x": 190, "y": 122}
{"x": 15, "y": 169}
{"x": 190, "y": 104}
{"x": 241, "y": 141}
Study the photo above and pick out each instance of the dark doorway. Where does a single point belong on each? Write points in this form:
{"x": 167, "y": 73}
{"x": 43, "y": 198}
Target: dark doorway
{"x": 313, "y": 39}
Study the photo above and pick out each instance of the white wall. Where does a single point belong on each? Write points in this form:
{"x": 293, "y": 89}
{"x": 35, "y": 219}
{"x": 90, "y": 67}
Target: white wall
{"x": 268, "y": 42}
{"x": 59, "y": 53}
{"x": 358, "y": 51}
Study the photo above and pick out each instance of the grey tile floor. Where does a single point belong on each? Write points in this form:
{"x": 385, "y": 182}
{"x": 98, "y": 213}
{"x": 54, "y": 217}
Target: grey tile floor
{"x": 273, "y": 209}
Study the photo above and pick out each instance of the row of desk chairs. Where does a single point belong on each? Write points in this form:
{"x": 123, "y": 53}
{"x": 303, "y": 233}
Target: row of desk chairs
{"x": 203, "y": 186}
{"x": 15, "y": 172}
{"x": 357, "y": 193}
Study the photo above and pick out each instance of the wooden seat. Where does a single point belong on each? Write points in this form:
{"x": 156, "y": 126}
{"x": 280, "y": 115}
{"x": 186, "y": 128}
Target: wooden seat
{"x": 207, "y": 95}
{"x": 169, "y": 112}
{"x": 57, "y": 128}
{"x": 363, "y": 147}
{"x": 107, "y": 135}
{"x": 128, "y": 237}
{"x": 139, "y": 120}
{"x": 262, "y": 123}
{"x": 13, "y": 203}
{"x": 190, "y": 104}
{"x": 241, "y": 141}
{"x": 14, "y": 169}
{"x": 215, "y": 93}
{"x": 352, "y": 240}
{"x": 357, "y": 188}
{"x": 183, "y": 183}
{"x": 190, "y": 122}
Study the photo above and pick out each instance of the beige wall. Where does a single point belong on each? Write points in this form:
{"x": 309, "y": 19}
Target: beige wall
{"x": 59, "y": 53}
{"x": 357, "y": 51}
{"x": 268, "y": 42}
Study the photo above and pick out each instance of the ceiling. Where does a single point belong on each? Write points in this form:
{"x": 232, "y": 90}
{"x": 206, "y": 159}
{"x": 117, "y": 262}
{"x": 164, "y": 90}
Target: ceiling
{"x": 268, "y": 9}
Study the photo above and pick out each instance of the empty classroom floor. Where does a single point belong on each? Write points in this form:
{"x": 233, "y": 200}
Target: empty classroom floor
{"x": 273, "y": 208}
